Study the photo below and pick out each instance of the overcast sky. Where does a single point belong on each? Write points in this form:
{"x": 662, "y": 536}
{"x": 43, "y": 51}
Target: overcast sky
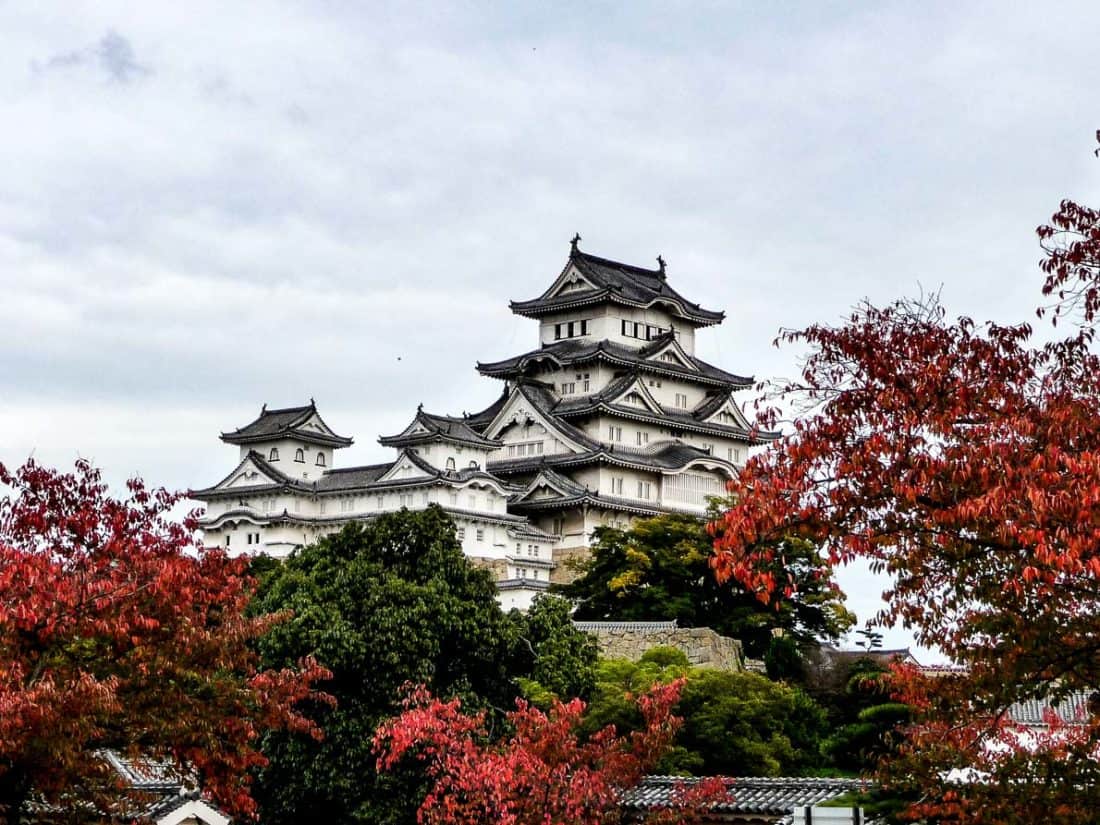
{"x": 209, "y": 206}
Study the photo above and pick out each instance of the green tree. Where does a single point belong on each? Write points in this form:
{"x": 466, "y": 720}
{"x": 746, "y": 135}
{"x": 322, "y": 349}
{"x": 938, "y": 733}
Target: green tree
{"x": 659, "y": 570}
{"x": 561, "y": 661}
{"x": 866, "y": 717}
{"x": 381, "y": 604}
{"x": 734, "y": 723}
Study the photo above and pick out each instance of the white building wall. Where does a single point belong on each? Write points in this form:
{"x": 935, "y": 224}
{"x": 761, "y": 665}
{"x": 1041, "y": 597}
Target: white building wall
{"x": 287, "y": 462}
{"x": 438, "y": 453}
{"x": 607, "y": 322}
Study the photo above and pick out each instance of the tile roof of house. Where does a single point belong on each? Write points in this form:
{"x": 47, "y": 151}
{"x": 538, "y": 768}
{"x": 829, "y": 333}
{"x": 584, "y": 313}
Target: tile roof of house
{"x": 616, "y": 282}
{"x": 765, "y": 795}
{"x": 579, "y": 351}
{"x": 287, "y": 422}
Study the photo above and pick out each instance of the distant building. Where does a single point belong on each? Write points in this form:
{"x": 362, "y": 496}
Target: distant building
{"x": 610, "y": 418}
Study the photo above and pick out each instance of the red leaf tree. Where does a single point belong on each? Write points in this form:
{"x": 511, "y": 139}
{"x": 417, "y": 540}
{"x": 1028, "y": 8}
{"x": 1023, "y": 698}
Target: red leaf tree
{"x": 964, "y": 461}
{"x": 544, "y": 773}
{"x": 116, "y": 631}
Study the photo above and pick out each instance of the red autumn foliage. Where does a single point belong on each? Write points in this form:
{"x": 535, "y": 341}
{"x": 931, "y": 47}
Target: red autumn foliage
{"x": 544, "y": 773}
{"x": 117, "y": 631}
{"x": 964, "y": 461}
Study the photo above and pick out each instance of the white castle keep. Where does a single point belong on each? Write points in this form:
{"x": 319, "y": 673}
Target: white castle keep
{"x": 611, "y": 418}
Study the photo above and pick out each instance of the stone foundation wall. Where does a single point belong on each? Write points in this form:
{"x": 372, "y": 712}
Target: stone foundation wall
{"x": 562, "y": 573}
{"x": 498, "y": 567}
{"x": 629, "y": 640}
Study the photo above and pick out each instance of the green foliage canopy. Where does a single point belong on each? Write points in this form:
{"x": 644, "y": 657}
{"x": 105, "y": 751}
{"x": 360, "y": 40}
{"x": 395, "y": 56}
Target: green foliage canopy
{"x": 391, "y": 601}
{"x": 735, "y": 723}
{"x": 659, "y": 570}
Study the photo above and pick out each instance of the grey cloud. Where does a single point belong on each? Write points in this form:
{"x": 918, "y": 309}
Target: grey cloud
{"x": 113, "y": 54}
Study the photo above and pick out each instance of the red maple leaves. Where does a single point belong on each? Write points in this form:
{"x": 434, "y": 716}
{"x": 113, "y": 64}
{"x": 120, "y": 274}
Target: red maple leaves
{"x": 964, "y": 461}
{"x": 117, "y": 631}
{"x": 545, "y": 772}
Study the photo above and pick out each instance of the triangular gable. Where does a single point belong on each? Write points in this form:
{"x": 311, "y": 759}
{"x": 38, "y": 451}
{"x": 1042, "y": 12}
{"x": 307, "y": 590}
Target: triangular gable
{"x": 193, "y": 810}
{"x": 315, "y": 424}
{"x": 518, "y": 410}
{"x": 674, "y": 354}
{"x": 251, "y": 472}
{"x": 406, "y": 467}
{"x": 728, "y": 415}
{"x": 636, "y": 394}
{"x": 548, "y": 485}
{"x": 415, "y": 427}
{"x": 569, "y": 281}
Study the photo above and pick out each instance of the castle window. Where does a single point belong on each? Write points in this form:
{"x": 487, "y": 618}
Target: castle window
{"x": 274, "y": 454}
{"x": 643, "y": 438}
{"x": 568, "y": 388}
{"x": 587, "y": 383}
{"x": 643, "y": 489}
{"x": 380, "y": 501}
{"x": 480, "y": 534}
{"x": 557, "y": 332}
{"x": 227, "y": 538}
{"x": 617, "y": 485}
{"x": 320, "y": 459}
{"x": 300, "y": 455}
{"x": 614, "y": 433}
{"x": 461, "y": 533}
{"x": 681, "y": 400}
{"x": 451, "y": 465}
{"x": 473, "y": 465}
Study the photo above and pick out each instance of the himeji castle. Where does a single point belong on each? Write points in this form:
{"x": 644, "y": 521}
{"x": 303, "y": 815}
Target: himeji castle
{"x": 610, "y": 418}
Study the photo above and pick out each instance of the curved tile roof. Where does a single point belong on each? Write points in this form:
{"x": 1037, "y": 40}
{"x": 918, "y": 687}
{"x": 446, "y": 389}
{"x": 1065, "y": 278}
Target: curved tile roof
{"x": 578, "y": 351}
{"x": 619, "y": 283}
{"x": 287, "y": 422}
{"x": 439, "y": 428}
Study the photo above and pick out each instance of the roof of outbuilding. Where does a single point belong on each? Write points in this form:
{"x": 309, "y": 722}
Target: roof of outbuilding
{"x": 578, "y": 351}
{"x": 634, "y": 627}
{"x": 286, "y": 422}
{"x": 620, "y": 283}
{"x": 765, "y": 795}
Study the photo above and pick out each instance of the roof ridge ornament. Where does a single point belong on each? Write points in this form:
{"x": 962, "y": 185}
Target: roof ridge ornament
{"x": 661, "y": 267}
{"x": 576, "y": 240}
